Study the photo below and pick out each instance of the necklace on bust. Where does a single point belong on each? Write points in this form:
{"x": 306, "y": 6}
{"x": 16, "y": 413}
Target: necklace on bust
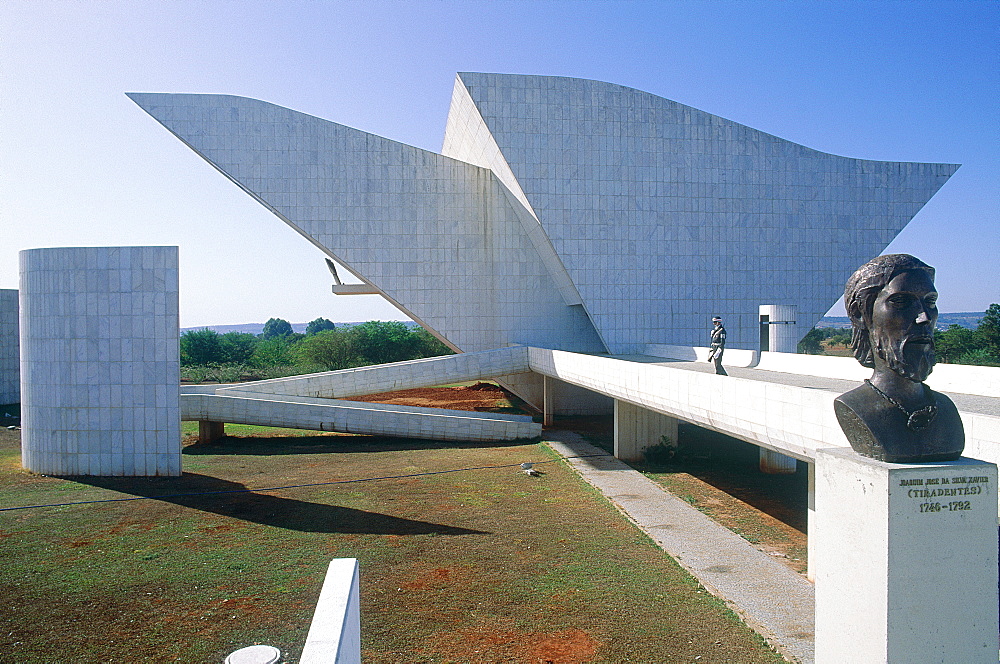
{"x": 916, "y": 419}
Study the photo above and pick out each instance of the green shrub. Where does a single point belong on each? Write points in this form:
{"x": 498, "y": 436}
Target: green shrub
{"x": 662, "y": 453}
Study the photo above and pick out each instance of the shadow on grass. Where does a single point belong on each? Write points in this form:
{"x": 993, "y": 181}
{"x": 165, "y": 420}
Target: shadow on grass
{"x": 731, "y": 466}
{"x": 205, "y": 493}
{"x": 276, "y": 445}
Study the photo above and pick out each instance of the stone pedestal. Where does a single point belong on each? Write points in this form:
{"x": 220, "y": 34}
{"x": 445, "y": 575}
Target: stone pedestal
{"x": 638, "y": 428}
{"x": 905, "y": 560}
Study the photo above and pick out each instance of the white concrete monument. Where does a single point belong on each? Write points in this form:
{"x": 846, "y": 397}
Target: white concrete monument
{"x": 565, "y": 213}
{"x": 100, "y": 361}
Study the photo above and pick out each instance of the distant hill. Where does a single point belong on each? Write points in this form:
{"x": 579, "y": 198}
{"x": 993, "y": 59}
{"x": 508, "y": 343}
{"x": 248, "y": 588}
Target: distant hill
{"x": 967, "y": 319}
{"x": 257, "y": 328}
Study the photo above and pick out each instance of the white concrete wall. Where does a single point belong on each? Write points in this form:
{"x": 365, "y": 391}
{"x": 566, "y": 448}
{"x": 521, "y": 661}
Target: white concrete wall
{"x": 10, "y": 356}
{"x": 100, "y": 361}
{"x": 335, "y": 632}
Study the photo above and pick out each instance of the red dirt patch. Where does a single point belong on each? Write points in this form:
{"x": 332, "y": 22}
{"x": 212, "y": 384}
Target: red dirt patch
{"x": 504, "y": 643}
{"x": 430, "y": 579}
{"x": 480, "y": 397}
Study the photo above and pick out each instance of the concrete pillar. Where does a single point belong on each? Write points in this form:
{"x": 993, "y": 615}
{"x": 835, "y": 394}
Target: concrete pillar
{"x": 638, "y": 428}
{"x": 779, "y": 334}
{"x": 548, "y": 401}
{"x": 10, "y": 355}
{"x": 209, "y": 432}
{"x": 905, "y": 560}
{"x": 100, "y": 366}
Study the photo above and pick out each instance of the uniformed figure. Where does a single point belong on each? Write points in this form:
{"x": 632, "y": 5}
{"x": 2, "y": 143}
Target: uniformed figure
{"x": 718, "y": 345}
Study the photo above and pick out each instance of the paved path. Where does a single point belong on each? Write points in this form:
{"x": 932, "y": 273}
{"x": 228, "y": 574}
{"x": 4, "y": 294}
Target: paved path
{"x": 771, "y": 598}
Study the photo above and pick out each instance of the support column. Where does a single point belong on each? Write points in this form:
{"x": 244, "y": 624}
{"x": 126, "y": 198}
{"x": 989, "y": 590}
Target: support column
{"x": 209, "y": 432}
{"x": 905, "y": 560}
{"x": 548, "y": 401}
{"x": 638, "y": 428}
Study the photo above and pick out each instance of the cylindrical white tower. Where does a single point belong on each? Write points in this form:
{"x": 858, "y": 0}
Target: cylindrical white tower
{"x": 777, "y": 322}
{"x": 100, "y": 365}
{"x": 10, "y": 383}
{"x": 778, "y": 334}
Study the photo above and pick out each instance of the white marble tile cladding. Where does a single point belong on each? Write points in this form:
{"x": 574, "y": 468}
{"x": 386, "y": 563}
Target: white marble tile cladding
{"x": 665, "y": 215}
{"x": 100, "y": 361}
{"x": 10, "y": 382}
{"x": 440, "y": 238}
{"x": 566, "y": 213}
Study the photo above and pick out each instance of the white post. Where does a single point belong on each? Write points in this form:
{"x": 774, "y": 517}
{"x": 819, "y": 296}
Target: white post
{"x": 335, "y": 633}
{"x": 905, "y": 560}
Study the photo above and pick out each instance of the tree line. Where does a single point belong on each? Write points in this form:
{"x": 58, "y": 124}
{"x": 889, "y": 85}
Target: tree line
{"x": 279, "y": 351}
{"x": 955, "y": 345}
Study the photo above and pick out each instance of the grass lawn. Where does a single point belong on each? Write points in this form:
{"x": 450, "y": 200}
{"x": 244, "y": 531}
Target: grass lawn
{"x": 484, "y": 565}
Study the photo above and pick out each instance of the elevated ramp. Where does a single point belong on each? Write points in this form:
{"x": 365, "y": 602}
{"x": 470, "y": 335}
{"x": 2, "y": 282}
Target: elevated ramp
{"x": 789, "y": 413}
{"x": 308, "y": 402}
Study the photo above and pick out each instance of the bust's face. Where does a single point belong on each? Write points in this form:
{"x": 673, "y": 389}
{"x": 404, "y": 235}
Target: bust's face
{"x": 902, "y": 325}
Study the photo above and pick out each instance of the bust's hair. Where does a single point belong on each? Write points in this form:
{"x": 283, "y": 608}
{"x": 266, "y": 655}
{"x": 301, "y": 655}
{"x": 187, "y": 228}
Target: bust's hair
{"x": 862, "y": 289}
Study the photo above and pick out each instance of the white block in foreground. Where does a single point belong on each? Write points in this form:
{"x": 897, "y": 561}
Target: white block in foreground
{"x": 905, "y": 560}
{"x": 335, "y": 633}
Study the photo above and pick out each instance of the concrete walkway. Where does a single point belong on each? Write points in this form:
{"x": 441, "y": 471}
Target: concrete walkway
{"x": 773, "y": 600}
{"x": 972, "y": 403}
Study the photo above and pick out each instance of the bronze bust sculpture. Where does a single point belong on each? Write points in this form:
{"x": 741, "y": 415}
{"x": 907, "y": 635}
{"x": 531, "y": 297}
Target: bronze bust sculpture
{"x": 894, "y": 417}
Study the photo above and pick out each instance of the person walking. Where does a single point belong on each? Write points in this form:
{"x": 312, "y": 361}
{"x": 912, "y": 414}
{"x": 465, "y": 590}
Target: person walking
{"x": 718, "y": 345}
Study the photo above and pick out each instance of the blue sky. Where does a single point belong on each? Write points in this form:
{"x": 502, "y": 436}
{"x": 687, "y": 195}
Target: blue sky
{"x": 81, "y": 165}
